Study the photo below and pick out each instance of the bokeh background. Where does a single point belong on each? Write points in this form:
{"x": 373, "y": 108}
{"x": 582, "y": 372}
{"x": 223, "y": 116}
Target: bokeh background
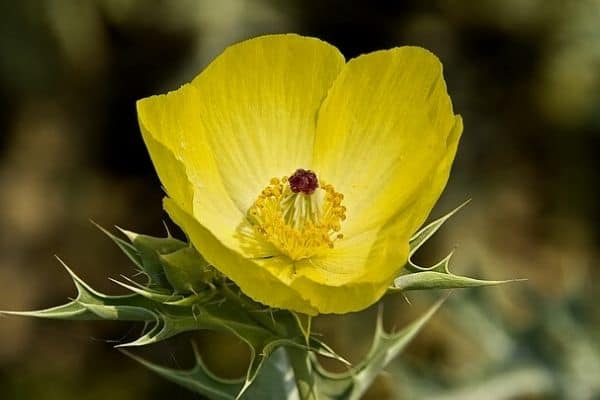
{"x": 525, "y": 75}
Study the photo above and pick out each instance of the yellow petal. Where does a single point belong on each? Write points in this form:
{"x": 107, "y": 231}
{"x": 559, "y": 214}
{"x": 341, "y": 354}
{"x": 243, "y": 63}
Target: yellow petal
{"x": 258, "y": 103}
{"x": 248, "y": 117}
{"x": 171, "y": 171}
{"x": 382, "y": 132}
{"x": 413, "y": 216}
{"x": 354, "y": 275}
{"x": 385, "y": 137}
{"x": 254, "y": 277}
{"x": 349, "y": 279}
{"x": 358, "y": 271}
{"x": 172, "y": 130}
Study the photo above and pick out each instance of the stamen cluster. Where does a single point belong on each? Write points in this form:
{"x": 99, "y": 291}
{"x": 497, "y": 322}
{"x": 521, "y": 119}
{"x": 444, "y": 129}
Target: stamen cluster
{"x": 298, "y": 224}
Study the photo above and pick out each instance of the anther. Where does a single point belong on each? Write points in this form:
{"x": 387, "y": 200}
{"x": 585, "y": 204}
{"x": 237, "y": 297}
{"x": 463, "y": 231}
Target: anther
{"x": 299, "y": 221}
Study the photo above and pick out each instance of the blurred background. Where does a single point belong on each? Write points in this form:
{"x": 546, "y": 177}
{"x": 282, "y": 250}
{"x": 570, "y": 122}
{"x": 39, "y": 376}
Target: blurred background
{"x": 525, "y": 75}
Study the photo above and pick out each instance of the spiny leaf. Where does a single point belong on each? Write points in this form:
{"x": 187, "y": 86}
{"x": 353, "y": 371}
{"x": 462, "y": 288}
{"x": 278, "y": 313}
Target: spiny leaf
{"x": 304, "y": 323}
{"x": 73, "y": 310}
{"x": 228, "y": 317}
{"x": 197, "y": 379}
{"x": 273, "y": 383}
{"x": 318, "y": 347}
{"x": 127, "y": 248}
{"x": 425, "y": 233}
{"x": 79, "y": 308}
{"x": 167, "y": 320}
{"x": 201, "y": 298}
{"x": 150, "y": 249}
{"x": 440, "y": 280}
{"x": 437, "y": 276}
{"x": 120, "y": 312}
{"x": 224, "y": 317}
{"x": 187, "y": 271}
{"x": 385, "y": 347}
{"x": 146, "y": 292}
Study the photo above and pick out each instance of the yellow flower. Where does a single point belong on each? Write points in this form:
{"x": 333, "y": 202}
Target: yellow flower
{"x": 301, "y": 176}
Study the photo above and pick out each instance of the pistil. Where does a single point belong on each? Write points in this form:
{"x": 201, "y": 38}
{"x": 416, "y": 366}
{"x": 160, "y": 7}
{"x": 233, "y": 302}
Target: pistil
{"x": 299, "y": 215}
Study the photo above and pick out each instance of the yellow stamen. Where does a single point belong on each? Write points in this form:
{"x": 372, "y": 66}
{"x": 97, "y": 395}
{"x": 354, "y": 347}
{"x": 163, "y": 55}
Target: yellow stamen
{"x": 299, "y": 225}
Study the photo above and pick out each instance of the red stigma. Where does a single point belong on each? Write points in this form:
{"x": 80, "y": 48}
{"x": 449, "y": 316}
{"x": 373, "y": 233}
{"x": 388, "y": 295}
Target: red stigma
{"x": 303, "y": 180}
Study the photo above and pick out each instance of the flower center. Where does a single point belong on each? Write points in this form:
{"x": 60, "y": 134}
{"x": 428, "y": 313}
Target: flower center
{"x": 299, "y": 216}
{"x": 304, "y": 181}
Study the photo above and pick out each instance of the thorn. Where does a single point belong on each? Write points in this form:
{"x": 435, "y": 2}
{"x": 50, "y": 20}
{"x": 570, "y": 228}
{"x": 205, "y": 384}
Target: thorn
{"x": 97, "y": 225}
{"x": 444, "y": 298}
{"x": 167, "y": 229}
{"x": 126, "y": 352}
{"x": 380, "y": 317}
{"x": 130, "y": 235}
{"x": 195, "y": 349}
{"x": 69, "y": 271}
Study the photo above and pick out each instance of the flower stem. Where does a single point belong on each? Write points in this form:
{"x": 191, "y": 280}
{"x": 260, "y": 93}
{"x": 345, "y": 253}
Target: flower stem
{"x": 303, "y": 372}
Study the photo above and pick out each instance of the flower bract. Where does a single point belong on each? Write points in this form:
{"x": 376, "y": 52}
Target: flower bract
{"x": 300, "y": 176}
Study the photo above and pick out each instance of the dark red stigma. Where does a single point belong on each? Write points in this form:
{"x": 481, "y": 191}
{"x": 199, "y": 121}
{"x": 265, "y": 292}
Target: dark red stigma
{"x": 303, "y": 180}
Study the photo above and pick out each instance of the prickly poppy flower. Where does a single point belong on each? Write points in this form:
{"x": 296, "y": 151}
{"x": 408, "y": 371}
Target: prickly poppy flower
{"x": 301, "y": 176}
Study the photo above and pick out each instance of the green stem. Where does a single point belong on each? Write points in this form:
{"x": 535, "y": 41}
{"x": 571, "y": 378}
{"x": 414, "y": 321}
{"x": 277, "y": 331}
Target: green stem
{"x": 303, "y": 372}
{"x": 261, "y": 317}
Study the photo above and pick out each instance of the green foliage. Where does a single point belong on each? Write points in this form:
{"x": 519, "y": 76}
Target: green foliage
{"x": 210, "y": 303}
{"x": 184, "y": 293}
{"x": 384, "y": 348}
{"x": 274, "y": 382}
{"x": 437, "y": 276}
{"x": 92, "y": 305}
{"x": 149, "y": 250}
{"x": 186, "y": 270}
